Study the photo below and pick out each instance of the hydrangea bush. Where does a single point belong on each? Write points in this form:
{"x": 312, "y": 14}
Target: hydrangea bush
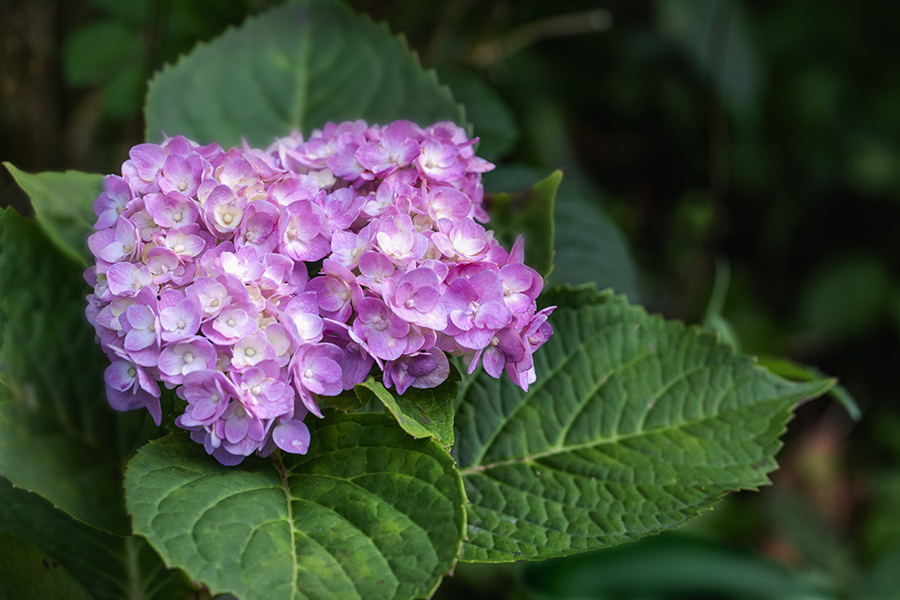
{"x": 295, "y": 313}
{"x": 202, "y": 279}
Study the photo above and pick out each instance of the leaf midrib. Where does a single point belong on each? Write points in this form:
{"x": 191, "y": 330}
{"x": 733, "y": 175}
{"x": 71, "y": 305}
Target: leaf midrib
{"x": 539, "y": 386}
{"x": 477, "y": 469}
{"x": 283, "y": 475}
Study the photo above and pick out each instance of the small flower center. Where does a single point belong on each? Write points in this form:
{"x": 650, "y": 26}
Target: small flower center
{"x": 214, "y": 398}
{"x": 179, "y": 248}
{"x": 132, "y": 372}
{"x": 250, "y": 352}
{"x": 188, "y": 358}
{"x": 182, "y": 185}
{"x": 255, "y": 390}
{"x": 127, "y": 248}
{"x": 214, "y": 302}
{"x": 378, "y": 323}
{"x": 120, "y": 210}
{"x": 230, "y": 322}
{"x": 410, "y": 303}
{"x": 227, "y": 219}
{"x": 181, "y": 324}
{"x": 308, "y": 373}
{"x": 495, "y": 341}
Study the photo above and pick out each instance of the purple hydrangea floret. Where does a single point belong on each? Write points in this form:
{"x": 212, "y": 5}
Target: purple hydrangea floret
{"x": 203, "y": 278}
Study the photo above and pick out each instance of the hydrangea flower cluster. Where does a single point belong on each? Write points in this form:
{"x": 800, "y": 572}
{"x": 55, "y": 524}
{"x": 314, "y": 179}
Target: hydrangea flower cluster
{"x": 255, "y": 281}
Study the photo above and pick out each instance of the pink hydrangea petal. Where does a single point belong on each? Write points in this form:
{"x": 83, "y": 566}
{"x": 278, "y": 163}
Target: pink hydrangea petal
{"x": 292, "y": 437}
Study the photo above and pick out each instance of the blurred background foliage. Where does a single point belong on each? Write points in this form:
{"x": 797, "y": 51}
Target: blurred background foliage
{"x": 748, "y": 153}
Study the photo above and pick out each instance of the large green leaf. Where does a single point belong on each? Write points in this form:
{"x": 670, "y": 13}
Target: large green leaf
{"x": 58, "y": 435}
{"x": 63, "y": 203}
{"x": 295, "y": 67}
{"x": 635, "y": 424}
{"x": 108, "y": 566}
{"x": 421, "y": 413}
{"x": 368, "y": 512}
{"x": 529, "y": 212}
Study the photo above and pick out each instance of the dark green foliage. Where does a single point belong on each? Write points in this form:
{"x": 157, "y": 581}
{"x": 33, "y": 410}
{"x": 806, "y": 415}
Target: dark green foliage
{"x": 108, "y": 566}
{"x": 28, "y": 572}
{"x": 58, "y": 436}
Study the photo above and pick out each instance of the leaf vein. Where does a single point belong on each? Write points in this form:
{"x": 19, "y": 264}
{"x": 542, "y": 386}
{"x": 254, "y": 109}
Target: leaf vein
{"x": 476, "y": 469}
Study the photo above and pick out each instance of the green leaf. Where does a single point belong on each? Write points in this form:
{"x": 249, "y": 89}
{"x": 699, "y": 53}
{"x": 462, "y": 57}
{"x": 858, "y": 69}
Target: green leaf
{"x": 368, "y": 512}
{"x": 529, "y": 212}
{"x": 671, "y": 566}
{"x": 295, "y": 67}
{"x": 108, "y": 566}
{"x": 421, "y": 413}
{"x": 63, "y": 203}
{"x": 27, "y": 572}
{"x": 635, "y": 425}
{"x": 58, "y": 435}
{"x": 784, "y": 367}
{"x": 38, "y": 452}
{"x": 588, "y": 246}
{"x": 346, "y": 401}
